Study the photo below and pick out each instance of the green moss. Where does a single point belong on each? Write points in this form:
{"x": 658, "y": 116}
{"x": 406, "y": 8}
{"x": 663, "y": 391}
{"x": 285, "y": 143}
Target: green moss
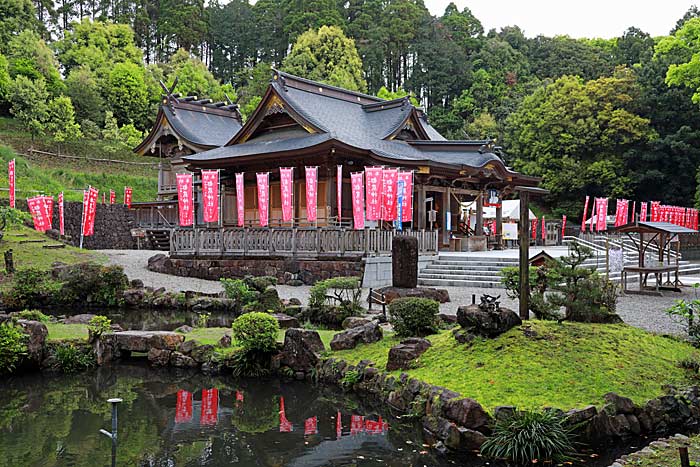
{"x": 212, "y": 335}
{"x": 66, "y": 332}
{"x": 565, "y": 365}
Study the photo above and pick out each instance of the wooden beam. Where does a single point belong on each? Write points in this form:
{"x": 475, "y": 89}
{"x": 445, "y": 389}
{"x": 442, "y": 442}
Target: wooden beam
{"x": 524, "y": 238}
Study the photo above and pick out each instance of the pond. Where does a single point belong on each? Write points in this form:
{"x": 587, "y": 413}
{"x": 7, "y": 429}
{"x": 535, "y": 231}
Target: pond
{"x": 143, "y": 319}
{"x": 174, "y": 418}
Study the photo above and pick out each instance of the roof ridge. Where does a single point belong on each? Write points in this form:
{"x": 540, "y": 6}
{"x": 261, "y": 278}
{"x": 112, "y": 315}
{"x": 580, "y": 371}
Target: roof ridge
{"x": 287, "y": 78}
{"x": 387, "y": 104}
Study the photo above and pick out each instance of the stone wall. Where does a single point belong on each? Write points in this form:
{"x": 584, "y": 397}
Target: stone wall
{"x": 285, "y": 270}
{"x": 113, "y": 224}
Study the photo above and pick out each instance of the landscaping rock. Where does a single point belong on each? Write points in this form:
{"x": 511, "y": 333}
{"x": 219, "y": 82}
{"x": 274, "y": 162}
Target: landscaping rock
{"x": 143, "y": 341}
{"x": 269, "y": 299}
{"x": 286, "y": 321}
{"x": 225, "y": 341}
{"x": 302, "y": 349}
{"x": 180, "y": 360}
{"x": 401, "y": 356}
{"x": 462, "y": 336}
{"x": 470, "y": 440}
{"x": 136, "y": 284}
{"x": 392, "y": 293}
{"x": 447, "y": 319}
{"x": 484, "y": 323}
{"x": 83, "y": 318}
{"x": 188, "y": 346}
{"x": 467, "y": 413}
{"x": 184, "y": 329}
{"x": 404, "y": 261}
{"x": 202, "y": 353}
{"x": 503, "y": 411}
{"x": 355, "y": 321}
{"x": 618, "y": 404}
{"x": 348, "y": 339}
{"x": 576, "y": 416}
{"x": 36, "y": 332}
{"x": 134, "y": 296}
{"x": 159, "y": 357}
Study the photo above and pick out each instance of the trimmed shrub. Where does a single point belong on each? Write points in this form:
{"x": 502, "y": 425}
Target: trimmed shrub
{"x": 411, "y": 316}
{"x": 12, "y": 346}
{"x": 333, "y": 300}
{"x": 530, "y": 437}
{"x": 33, "y": 315}
{"x": 256, "y": 332}
{"x": 259, "y": 283}
{"x": 31, "y": 287}
{"x": 239, "y": 291}
{"x": 93, "y": 284}
{"x": 98, "y": 325}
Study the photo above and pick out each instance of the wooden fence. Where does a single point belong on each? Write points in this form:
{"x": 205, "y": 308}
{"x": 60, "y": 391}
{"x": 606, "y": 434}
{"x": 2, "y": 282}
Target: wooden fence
{"x": 293, "y": 242}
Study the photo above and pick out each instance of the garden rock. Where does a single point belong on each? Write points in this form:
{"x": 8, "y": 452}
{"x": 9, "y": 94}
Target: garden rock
{"x": 401, "y": 356}
{"x": 467, "y": 413}
{"x": 143, "y": 341}
{"x": 188, "y": 346}
{"x": 202, "y": 353}
{"x": 134, "y": 297}
{"x": 184, "y": 329}
{"x": 447, "y": 319}
{"x": 366, "y": 334}
{"x": 404, "y": 261}
{"x": 83, "y": 318}
{"x": 485, "y": 323}
{"x": 392, "y": 293}
{"x": 179, "y": 360}
{"x": 225, "y": 341}
{"x": 286, "y": 321}
{"x": 36, "y": 340}
{"x": 503, "y": 412}
{"x": 354, "y": 321}
{"x": 270, "y": 300}
{"x": 302, "y": 349}
{"x": 576, "y": 416}
{"x": 618, "y": 404}
{"x": 159, "y": 357}
{"x": 470, "y": 440}
{"x": 462, "y": 336}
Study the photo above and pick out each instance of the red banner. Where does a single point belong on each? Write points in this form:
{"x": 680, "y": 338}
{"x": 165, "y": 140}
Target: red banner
{"x": 48, "y": 209}
{"x": 183, "y": 406}
{"x": 338, "y": 425}
{"x": 112, "y": 197}
{"x": 533, "y": 229}
{"x": 285, "y": 425}
{"x": 310, "y": 426}
{"x": 128, "y": 192}
{"x": 263, "y": 198}
{"x": 602, "y": 215}
{"x": 375, "y": 427}
{"x": 389, "y": 179}
{"x": 563, "y": 225}
{"x": 643, "y": 212}
{"x": 339, "y": 191}
{"x": 373, "y": 195}
{"x": 185, "y": 201}
{"x": 210, "y": 407}
{"x": 594, "y": 208}
{"x": 407, "y": 200}
{"x": 311, "y": 194}
{"x": 11, "y": 179}
{"x": 585, "y": 211}
{"x": 210, "y": 195}
{"x": 358, "y": 200}
{"x": 357, "y": 424}
{"x": 240, "y": 199}
{"x": 61, "y": 223}
{"x": 286, "y": 192}
{"x": 544, "y": 229}
{"x": 634, "y": 209}
{"x": 89, "y": 210}
{"x": 38, "y": 212}
{"x": 655, "y": 211}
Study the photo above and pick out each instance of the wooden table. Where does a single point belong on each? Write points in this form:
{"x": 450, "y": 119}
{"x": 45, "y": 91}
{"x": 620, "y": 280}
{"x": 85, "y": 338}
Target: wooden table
{"x": 644, "y": 271}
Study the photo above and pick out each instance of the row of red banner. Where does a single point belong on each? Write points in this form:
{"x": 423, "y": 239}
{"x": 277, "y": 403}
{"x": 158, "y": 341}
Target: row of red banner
{"x": 388, "y": 193}
{"x": 654, "y": 212}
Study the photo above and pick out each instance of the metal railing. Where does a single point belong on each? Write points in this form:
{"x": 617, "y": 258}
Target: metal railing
{"x": 293, "y": 242}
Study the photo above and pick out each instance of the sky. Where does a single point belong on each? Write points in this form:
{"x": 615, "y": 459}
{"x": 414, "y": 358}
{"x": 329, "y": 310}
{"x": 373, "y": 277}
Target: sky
{"x": 580, "y": 18}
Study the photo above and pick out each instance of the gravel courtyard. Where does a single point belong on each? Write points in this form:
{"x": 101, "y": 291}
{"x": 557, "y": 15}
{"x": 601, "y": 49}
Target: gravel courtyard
{"x": 645, "y": 312}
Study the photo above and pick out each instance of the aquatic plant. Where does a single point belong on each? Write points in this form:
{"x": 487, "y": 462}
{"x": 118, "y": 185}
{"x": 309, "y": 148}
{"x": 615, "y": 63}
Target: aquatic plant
{"x": 12, "y": 346}
{"x": 530, "y": 437}
{"x": 69, "y": 358}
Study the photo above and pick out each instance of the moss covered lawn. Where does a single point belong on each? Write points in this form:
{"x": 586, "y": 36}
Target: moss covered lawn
{"x": 564, "y": 365}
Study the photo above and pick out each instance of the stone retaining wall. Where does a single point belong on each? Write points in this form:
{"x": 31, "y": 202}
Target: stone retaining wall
{"x": 286, "y": 270}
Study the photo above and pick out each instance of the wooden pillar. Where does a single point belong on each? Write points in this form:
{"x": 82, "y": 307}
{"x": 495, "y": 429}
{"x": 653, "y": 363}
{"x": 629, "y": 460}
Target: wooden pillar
{"x": 479, "y": 215}
{"x": 499, "y": 226}
{"x": 329, "y": 193}
{"x": 419, "y": 208}
{"x": 524, "y": 238}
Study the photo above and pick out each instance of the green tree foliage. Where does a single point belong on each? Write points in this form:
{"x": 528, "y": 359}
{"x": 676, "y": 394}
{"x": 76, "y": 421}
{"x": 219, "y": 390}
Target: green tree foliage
{"x": 127, "y": 94}
{"x": 28, "y": 101}
{"x": 5, "y": 82}
{"x": 194, "y": 79}
{"x": 16, "y": 16}
{"x": 29, "y": 56}
{"x": 575, "y": 134}
{"x": 327, "y": 55}
{"x": 61, "y": 120}
{"x": 84, "y": 91}
{"x": 120, "y": 138}
{"x": 684, "y": 44}
{"x": 182, "y": 24}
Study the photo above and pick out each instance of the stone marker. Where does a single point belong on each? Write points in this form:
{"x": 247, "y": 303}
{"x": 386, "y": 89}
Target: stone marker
{"x": 404, "y": 261}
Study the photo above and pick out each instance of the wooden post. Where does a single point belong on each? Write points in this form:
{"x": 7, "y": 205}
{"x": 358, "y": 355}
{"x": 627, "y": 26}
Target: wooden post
{"x": 480, "y": 215}
{"x": 419, "y": 211}
{"x": 499, "y": 226}
{"x": 685, "y": 460}
{"x": 9, "y": 262}
{"x": 524, "y": 238}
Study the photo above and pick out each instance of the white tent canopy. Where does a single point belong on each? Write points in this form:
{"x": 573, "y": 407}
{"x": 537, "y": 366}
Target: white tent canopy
{"x": 511, "y": 210}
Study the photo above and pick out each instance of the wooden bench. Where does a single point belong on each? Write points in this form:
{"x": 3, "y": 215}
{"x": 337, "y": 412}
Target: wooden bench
{"x": 658, "y": 272}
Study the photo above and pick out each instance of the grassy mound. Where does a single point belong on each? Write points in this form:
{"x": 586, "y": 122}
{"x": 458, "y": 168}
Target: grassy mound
{"x": 545, "y": 364}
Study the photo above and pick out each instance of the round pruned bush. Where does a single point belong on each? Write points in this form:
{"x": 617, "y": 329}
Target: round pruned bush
{"x": 12, "y": 346}
{"x": 527, "y": 437}
{"x": 411, "y": 316}
{"x": 256, "y": 332}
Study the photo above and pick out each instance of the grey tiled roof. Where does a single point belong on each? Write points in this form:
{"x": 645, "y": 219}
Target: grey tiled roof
{"x": 202, "y": 128}
{"x": 361, "y": 126}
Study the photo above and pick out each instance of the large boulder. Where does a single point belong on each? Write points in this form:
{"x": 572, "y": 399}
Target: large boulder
{"x": 36, "y": 332}
{"x": 467, "y": 413}
{"x": 302, "y": 349}
{"x": 286, "y": 321}
{"x": 143, "y": 341}
{"x": 366, "y": 334}
{"x": 355, "y": 321}
{"x": 404, "y": 261}
{"x": 269, "y": 299}
{"x": 486, "y": 323}
{"x": 180, "y": 360}
{"x": 392, "y": 293}
{"x": 401, "y": 356}
{"x": 159, "y": 357}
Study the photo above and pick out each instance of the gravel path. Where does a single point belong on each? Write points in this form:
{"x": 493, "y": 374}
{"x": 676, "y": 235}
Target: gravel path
{"x": 646, "y": 312}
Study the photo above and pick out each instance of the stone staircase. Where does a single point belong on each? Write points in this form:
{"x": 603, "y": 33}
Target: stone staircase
{"x": 460, "y": 270}
{"x": 159, "y": 239}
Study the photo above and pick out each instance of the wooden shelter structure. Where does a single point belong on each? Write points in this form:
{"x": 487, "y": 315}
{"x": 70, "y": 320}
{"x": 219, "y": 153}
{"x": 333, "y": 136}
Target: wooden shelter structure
{"x": 658, "y": 246}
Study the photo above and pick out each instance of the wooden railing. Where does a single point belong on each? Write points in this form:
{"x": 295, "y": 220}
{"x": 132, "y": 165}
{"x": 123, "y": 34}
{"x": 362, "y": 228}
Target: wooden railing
{"x": 294, "y": 242}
